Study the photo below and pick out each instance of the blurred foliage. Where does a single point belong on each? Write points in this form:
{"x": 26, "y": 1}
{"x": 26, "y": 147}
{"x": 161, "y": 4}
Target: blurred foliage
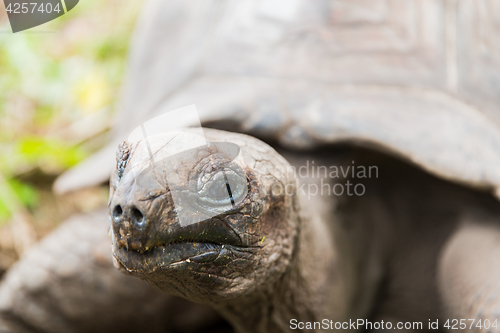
{"x": 58, "y": 83}
{"x": 51, "y": 152}
{"x": 25, "y": 195}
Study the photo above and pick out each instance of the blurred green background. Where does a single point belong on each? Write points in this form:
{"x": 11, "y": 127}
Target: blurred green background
{"x": 58, "y": 87}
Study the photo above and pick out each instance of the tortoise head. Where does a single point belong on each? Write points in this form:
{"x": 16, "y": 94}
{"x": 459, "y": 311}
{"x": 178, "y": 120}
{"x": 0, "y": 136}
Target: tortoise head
{"x": 206, "y": 222}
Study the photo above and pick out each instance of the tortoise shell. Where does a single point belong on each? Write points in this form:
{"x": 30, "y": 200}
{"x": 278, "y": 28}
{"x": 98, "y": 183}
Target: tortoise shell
{"x": 419, "y": 79}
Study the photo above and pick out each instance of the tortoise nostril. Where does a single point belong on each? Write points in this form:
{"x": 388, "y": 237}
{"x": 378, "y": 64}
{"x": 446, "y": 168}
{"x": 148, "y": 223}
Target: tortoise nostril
{"x": 137, "y": 215}
{"x": 117, "y": 212}
{"x": 123, "y": 214}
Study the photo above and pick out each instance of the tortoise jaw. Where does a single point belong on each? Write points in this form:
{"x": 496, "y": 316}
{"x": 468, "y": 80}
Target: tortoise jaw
{"x": 170, "y": 256}
{"x": 161, "y": 232}
{"x": 202, "y": 243}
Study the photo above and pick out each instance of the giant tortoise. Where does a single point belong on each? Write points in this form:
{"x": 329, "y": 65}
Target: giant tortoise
{"x": 410, "y": 87}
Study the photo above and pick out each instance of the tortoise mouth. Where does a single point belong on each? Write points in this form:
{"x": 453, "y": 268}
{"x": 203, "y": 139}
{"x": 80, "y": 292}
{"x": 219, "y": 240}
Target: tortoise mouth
{"x": 161, "y": 234}
{"x": 169, "y": 256}
{"x": 181, "y": 247}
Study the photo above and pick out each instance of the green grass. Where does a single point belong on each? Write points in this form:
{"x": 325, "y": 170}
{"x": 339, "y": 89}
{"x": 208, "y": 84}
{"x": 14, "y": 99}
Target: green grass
{"x": 52, "y": 77}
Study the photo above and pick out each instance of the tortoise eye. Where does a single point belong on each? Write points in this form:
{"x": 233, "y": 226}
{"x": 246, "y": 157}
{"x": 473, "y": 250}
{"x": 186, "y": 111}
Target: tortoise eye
{"x": 219, "y": 190}
{"x": 224, "y": 188}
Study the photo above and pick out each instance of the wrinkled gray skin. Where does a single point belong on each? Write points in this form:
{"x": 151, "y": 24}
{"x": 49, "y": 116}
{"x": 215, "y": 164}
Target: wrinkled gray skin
{"x": 408, "y": 243}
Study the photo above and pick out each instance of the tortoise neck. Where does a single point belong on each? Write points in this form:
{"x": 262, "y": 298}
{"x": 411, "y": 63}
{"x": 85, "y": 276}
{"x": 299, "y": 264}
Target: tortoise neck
{"x": 309, "y": 291}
